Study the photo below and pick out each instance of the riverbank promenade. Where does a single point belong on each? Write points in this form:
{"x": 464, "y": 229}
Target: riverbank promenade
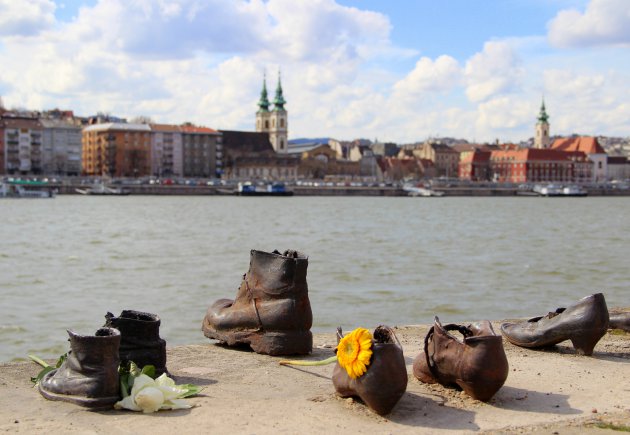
{"x": 550, "y": 391}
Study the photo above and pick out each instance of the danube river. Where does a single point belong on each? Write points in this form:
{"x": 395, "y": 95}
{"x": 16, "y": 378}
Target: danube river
{"x": 65, "y": 262}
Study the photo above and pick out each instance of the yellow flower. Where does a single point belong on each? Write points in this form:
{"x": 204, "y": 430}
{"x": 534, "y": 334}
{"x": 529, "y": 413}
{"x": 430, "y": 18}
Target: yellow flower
{"x": 354, "y": 352}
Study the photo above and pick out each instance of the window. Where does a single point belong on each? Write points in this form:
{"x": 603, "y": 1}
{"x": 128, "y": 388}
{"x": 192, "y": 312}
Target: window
{"x": 282, "y": 122}
{"x": 266, "y": 124}
{"x": 273, "y": 123}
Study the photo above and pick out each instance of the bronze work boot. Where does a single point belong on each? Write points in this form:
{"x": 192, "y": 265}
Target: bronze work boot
{"x": 583, "y": 323}
{"x": 140, "y": 339}
{"x": 384, "y": 382}
{"x": 477, "y": 363}
{"x": 89, "y": 375}
{"x": 271, "y": 312}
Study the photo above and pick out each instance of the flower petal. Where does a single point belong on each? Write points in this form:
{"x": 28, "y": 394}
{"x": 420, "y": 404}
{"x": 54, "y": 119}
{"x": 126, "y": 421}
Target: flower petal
{"x": 127, "y": 403}
{"x": 149, "y": 399}
{"x": 176, "y": 404}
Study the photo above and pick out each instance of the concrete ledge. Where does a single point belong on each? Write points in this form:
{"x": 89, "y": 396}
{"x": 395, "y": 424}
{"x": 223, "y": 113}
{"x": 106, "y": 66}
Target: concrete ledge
{"x": 551, "y": 390}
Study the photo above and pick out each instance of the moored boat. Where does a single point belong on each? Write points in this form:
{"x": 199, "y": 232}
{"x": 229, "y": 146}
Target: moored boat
{"x": 269, "y": 189}
{"x": 19, "y": 190}
{"x": 556, "y": 190}
{"x": 103, "y": 190}
{"x": 416, "y": 191}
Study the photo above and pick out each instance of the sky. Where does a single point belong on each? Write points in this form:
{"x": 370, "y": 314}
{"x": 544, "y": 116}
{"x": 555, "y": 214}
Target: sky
{"x": 397, "y": 71}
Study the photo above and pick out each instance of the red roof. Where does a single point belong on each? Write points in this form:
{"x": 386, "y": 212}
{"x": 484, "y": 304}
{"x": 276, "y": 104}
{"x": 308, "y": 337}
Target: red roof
{"x": 195, "y": 129}
{"x": 586, "y": 144}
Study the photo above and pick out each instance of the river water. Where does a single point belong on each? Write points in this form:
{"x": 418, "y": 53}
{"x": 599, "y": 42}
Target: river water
{"x": 65, "y": 262}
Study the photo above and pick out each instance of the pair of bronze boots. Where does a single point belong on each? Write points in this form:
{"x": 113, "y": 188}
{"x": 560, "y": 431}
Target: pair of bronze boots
{"x": 89, "y": 375}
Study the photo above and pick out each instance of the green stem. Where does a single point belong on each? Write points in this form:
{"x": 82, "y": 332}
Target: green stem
{"x": 39, "y": 361}
{"x": 330, "y": 360}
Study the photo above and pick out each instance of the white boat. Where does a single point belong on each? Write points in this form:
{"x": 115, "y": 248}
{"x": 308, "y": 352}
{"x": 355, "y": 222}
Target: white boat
{"x": 420, "y": 191}
{"x": 556, "y": 190}
{"x": 9, "y": 190}
{"x": 102, "y": 189}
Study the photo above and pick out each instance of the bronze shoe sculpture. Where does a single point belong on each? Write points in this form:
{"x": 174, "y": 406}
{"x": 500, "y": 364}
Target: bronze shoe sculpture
{"x": 476, "y": 363}
{"x": 271, "y": 313}
{"x": 385, "y": 380}
{"x": 140, "y": 339}
{"x": 584, "y": 323}
{"x": 89, "y": 375}
{"x": 619, "y": 320}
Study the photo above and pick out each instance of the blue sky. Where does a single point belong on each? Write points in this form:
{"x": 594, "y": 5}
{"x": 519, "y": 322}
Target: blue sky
{"x": 399, "y": 71}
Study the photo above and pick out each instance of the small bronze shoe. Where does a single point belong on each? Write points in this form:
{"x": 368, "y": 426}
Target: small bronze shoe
{"x": 384, "y": 382}
{"x": 477, "y": 363}
{"x": 89, "y": 375}
{"x": 140, "y": 339}
{"x": 584, "y": 323}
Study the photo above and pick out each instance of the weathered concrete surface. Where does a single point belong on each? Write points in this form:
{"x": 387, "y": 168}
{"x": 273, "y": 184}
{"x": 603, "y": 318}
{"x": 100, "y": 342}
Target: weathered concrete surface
{"x": 551, "y": 391}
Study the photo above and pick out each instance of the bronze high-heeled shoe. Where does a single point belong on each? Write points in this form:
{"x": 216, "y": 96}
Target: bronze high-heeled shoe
{"x": 477, "y": 363}
{"x": 584, "y": 323}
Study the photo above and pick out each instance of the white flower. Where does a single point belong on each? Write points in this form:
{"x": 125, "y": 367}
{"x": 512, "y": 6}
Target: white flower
{"x": 149, "y": 395}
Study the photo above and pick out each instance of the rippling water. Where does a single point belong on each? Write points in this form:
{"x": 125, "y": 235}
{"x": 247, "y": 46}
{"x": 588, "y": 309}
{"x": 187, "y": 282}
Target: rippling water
{"x": 65, "y": 262}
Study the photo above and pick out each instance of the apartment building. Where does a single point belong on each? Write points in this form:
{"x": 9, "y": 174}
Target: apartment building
{"x": 61, "y": 147}
{"x": 22, "y": 145}
{"x": 117, "y": 150}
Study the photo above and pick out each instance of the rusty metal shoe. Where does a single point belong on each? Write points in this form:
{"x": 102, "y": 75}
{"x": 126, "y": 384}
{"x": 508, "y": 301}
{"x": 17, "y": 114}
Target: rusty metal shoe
{"x": 584, "y": 323}
{"x": 476, "y": 363}
{"x": 384, "y": 382}
{"x": 89, "y": 375}
{"x": 619, "y": 320}
{"x": 140, "y": 339}
{"x": 271, "y": 313}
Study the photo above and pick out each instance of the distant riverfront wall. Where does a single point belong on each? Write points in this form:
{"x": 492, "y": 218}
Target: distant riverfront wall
{"x": 329, "y": 191}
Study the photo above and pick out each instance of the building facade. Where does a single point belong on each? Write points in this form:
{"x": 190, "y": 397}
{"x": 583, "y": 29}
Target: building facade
{"x": 249, "y": 155}
{"x": 201, "y": 151}
{"x": 116, "y": 150}
{"x": 589, "y": 146}
{"x": 166, "y": 151}
{"x": 22, "y": 141}
{"x": 444, "y": 158}
{"x": 61, "y": 147}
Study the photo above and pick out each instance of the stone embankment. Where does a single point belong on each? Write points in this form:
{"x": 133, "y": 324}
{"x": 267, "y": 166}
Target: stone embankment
{"x": 547, "y": 391}
{"x": 147, "y": 189}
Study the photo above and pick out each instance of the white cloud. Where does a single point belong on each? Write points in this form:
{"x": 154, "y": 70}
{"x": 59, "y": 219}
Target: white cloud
{"x": 604, "y": 22}
{"x": 203, "y": 61}
{"x": 493, "y": 71}
{"x": 440, "y": 75}
{"x": 25, "y": 18}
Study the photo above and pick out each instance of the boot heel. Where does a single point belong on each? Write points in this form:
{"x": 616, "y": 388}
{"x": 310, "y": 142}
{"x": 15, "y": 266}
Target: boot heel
{"x": 283, "y": 343}
{"x": 584, "y": 344}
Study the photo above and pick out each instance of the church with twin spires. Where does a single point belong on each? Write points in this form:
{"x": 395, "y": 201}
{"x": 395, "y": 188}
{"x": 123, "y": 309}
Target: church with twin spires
{"x": 274, "y": 121}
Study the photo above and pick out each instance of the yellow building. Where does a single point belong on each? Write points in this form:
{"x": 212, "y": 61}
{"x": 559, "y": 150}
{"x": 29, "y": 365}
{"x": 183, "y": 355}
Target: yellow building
{"x": 116, "y": 150}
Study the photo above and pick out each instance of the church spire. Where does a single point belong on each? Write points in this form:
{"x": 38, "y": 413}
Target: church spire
{"x": 263, "y": 103}
{"x": 279, "y": 100}
{"x": 542, "y": 116}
